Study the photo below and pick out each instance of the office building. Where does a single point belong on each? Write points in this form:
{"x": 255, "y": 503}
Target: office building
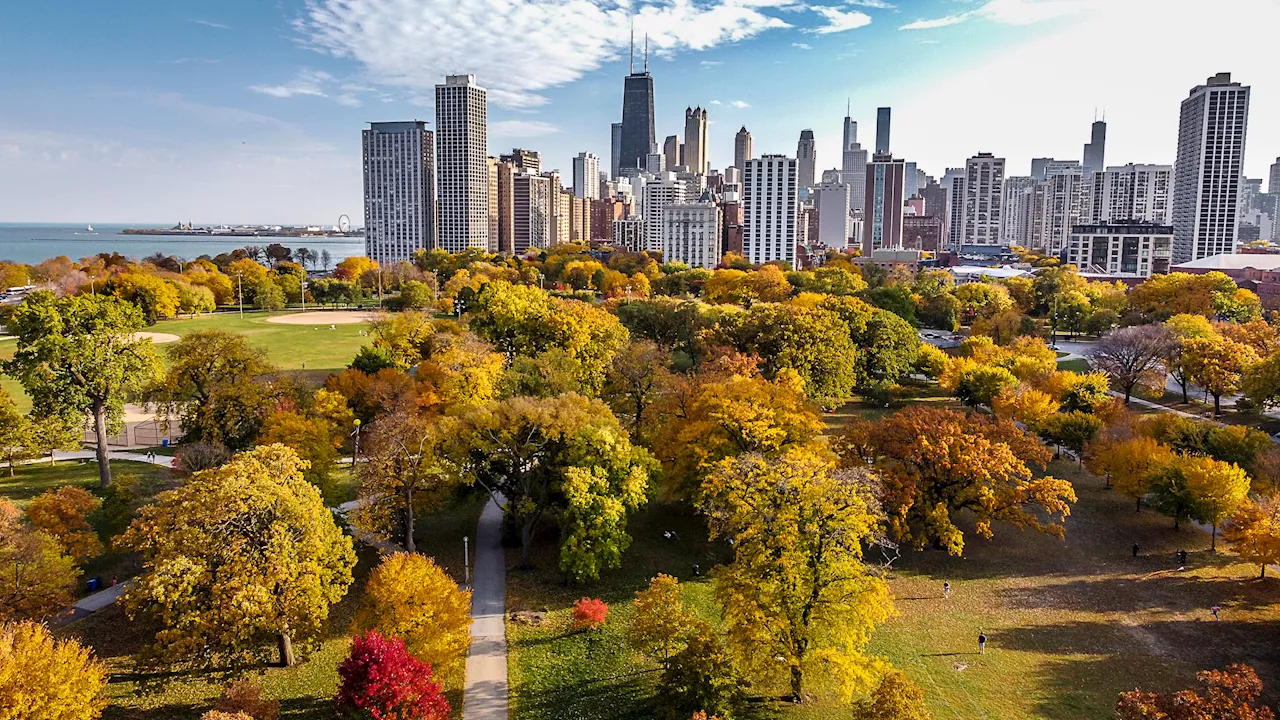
{"x": 912, "y": 180}
{"x": 637, "y": 115}
{"x": 1095, "y": 150}
{"x": 526, "y": 160}
{"x": 1130, "y": 192}
{"x": 1132, "y": 249}
{"x": 935, "y": 201}
{"x": 882, "y": 130}
{"x": 531, "y": 199}
{"x": 979, "y": 216}
{"x": 672, "y": 152}
{"x": 657, "y": 195}
{"x": 1273, "y": 185}
{"x": 1056, "y": 207}
{"x": 849, "y": 136}
{"x": 1042, "y": 168}
{"x": 835, "y": 211}
{"x": 806, "y": 158}
{"x": 506, "y": 209}
{"x": 742, "y": 150}
{"x": 695, "y": 139}
{"x": 885, "y": 190}
{"x": 615, "y": 149}
{"x": 923, "y": 233}
{"x": 1015, "y": 216}
{"x": 771, "y": 206}
{"x": 462, "y": 165}
{"x": 493, "y": 204}
{"x": 1208, "y": 170}
{"x": 655, "y": 162}
{"x": 399, "y": 190}
{"x": 853, "y": 164}
{"x": 691, "y": 233}
{"x": 586, "y": 176}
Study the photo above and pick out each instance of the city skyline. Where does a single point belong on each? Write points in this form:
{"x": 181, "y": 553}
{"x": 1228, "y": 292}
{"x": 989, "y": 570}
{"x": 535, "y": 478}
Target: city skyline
{"x": 232, "y": 112}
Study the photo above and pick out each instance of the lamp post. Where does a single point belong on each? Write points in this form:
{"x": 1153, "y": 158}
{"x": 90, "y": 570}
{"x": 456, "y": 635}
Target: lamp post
{"x": 466, "y": 564}
{"x": 356, "y": 433}
{"x": 240, "y": 288}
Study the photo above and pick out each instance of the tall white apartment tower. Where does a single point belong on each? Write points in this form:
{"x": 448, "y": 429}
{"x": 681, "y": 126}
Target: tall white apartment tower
{"x": 691, "y": 233}
{"x": 586, "y": 176}
{"x": 657, "y": 195}
{"x": 1016, "y": 214}
{"x": 1209, "y": 168}
{"x": 983, "y": 201}
{"x": 399, "y": 190}
{"x": 1131, "y": 192}
{"x": 770, "y": 204}
{"x": 462, "y": 164}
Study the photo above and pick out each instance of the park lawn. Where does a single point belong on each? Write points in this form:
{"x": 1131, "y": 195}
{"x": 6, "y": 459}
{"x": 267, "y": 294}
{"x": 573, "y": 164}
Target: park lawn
{"x": 859, "y": 408}
{"x": 35, "y": 478}
{"x": 314, "y": 348}
{"x": 1079, "y": 365}
{"x": 304, "y": 691}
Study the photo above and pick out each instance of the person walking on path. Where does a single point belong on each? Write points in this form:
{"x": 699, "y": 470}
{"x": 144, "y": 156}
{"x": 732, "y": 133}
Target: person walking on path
{"x": 982, "y": 642}
{"x": 1135, "y": 549}
{"x": 1214, "y": 612}
{"x": 946, "y": 591}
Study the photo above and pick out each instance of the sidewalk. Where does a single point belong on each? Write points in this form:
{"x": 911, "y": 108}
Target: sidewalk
{"x": 485, "y": 695}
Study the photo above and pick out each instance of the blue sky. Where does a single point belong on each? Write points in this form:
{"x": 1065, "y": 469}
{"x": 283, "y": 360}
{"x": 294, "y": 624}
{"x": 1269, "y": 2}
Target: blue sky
{"x": 250, "y": 111}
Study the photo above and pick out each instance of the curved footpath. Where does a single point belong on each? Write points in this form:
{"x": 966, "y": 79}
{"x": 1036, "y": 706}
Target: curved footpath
{"x": 485, "y": 695}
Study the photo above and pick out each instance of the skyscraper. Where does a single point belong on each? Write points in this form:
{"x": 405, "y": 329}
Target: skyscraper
{"x": 1206, "y": 186}
{"x": 615, "y": 146}
{"x": 886, "y": 186}
{"x": 771, "y": 207}
{"x": 399, "y": 190}
{"x": 637, "y": 114}
{"x": 850, "y": 133}
{"x": 695, "y": 139}
{"x": 531, "y": 199}
{"x": 657, "y": 195}
{"x": 1129, "y": 193}
{"x": 1015, "y": 216}
{"x": 528, "y": 160}
{"x": 462, "y": 164}
{"x": 742, "y": 149}
{"x": 586, "y": 176}
{"x": 882, "y": 130}
{"x": 1273, "y": 185}
{"x": 673, "y": 151}
{"x": 834, "y": 214}
{"x": 983, "y": 198}
{"x": 853, "y": 165}
{"x": 1096, "y": 149}
{"x": 806, "y": 158}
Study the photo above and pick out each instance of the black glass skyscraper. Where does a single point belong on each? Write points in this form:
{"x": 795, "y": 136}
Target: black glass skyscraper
{"x": 637, "y": 119}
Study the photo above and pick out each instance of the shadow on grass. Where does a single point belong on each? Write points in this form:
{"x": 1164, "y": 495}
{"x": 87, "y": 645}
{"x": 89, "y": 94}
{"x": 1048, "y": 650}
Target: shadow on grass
{"x": 630, "y": 695}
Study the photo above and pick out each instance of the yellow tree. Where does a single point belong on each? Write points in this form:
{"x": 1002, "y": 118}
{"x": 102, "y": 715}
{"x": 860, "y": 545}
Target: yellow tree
{"x": 1218, "y": 488}
{"x": 237, "y": 556}
{"x": 1217, "y": 364}
{"x": 662, "y": 620}
{"x": 1182, "y": 328}
{"x": 798, "y": 602}
{"x": 1254, "y": 532}
{"x": 895, "y": 698}
{"x": 1130, "y": 463}
{"x": 42, "y": 678}
{"x": 1027, "y": 405}
{"x": 409, "y": 597}
{"x": 62, "y": 514}
{"x": 36, "y": 579}
{"x": 932, "y": 463}
{"x": 462, "y": 371}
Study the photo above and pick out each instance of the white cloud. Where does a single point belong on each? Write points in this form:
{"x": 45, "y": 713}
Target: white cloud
{"x": 199, "y": 60}
{"x": 936, "y": 22}
{"x": 522, "y": 129}
{"x": 1008, "y": 12}
{"x": 839, "y": 20}
{"x": 210, "y": 23}
{"x": 878, "y": 4}
{"x": 307, "y": 82}
{"x": 739, "y": 104}
{"x": 802, "y": 46}
{"x": 517, "y": 48}
{"x": 711, "y": 63}
{"x": 715, "y": 102}
{"x": 930, "y": 42}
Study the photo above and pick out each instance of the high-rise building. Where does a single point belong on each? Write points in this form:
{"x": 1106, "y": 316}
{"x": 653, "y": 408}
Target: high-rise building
{"x": 1127, "y": 248}
{"x": 1057, "y": 206}
{"x": 771, "y": 205}
{"x": 586, "y": 176}
{"x": 885, "y": 197}
{"x": 850, "y": 134}
{"x": 1207, "y": 174}
{"x": 493, "y": 204}
{"x": 935, "y": 200}
{"x": 506, "y": 207}
{"x": 637, "y": 114}
{"x": 742, "y": 149}
{"x": 527, "y": 160}
{"x": 981, "y": 215}
{"x": 615, "y": 149}
{"x": 691, "y": 233}
{"x": 695, "y": 139}
{"x": 462, "y": 165}
{"x": 1273, "y": 185}
{"x": 835, "y": 210}
{"x": 658, "y": 194}
{"x": 629, "y": 234}
{"x": 531, "y": 212}
{"x": 1096, "y": 149}
{"x": 1129, "y": 193}
{"x": 672, "y": 151}
{"x": 922, "y": 232}
{"x": 1015, "y": 217}
{"x": 399, "y": 190}
{"x": 806, "y": 158}
{"x": 882, "y": 130}
{"x": 913, "y": 180}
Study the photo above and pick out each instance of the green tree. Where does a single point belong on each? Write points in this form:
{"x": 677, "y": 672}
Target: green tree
{"x": 701, "y": 677}
{"x": 79, "y": 355}
{"x": 981, "y": 384}
{"x": 814, "y": 343}
{"x": 797, "y": 588}
{"x": 15, "y": 433}
{"x": 1072, "y": 430}
{"x": 235, "y": 557}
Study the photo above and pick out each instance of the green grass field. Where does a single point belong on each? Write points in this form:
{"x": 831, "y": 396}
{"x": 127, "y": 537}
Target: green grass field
{"x": 292, "y": 347}
{"x": 31, "y": 480}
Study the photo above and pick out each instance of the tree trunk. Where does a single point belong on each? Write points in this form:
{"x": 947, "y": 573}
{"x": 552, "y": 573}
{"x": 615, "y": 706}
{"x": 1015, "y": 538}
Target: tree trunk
{"x": 287, "y": 658}
{"x": 11, "y": 471}
{"x": 1128, "y": 390}
{"x": 1213, "y": 542}
{"x": 1176, "y": 518}
{"x": 1217, "y": 405}
{"x": 797, "y": 683}
{"x": 100, "y": 430}
{"x": 526, "y": 539}
{"x": 1182, "y": 383}
{"x": 1264, "y": 572}
{"x": 408, "y": 522}
{"x": 1139, "y": 507}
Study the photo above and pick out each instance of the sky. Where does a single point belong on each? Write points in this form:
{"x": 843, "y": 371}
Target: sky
{"x": 250, "y": 111}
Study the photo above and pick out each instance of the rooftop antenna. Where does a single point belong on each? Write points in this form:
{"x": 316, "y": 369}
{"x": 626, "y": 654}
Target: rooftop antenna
{"x": 633, "y": 46}
{"x": 848, "y": 105}
{"x": 646, "y": 53}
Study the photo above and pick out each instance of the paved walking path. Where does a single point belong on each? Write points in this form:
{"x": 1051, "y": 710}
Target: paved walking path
{"x": 485, "y": 695}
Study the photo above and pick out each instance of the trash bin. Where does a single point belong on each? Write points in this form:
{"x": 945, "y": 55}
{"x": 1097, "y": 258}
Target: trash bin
{"x": 164, "y": 442}
{"x": 95, "y": 584}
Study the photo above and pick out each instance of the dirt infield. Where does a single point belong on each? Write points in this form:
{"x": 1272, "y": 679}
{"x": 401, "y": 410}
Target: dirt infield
{"x": 324, "y": 317}
{"x": 157, "y": 338}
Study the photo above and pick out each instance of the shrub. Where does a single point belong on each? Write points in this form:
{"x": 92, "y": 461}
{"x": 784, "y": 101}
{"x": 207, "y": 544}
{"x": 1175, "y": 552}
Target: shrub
{"x": 589, "y": 614}
{"x": 244, "y": 698}
{"x": 380, "y": 679}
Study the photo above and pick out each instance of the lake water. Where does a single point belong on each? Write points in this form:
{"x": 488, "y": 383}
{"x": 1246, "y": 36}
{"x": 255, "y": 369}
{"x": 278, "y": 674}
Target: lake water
{"x": 31, "y": 244}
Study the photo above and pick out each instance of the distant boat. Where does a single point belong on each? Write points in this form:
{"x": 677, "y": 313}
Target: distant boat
{"x": 90, "y": 228}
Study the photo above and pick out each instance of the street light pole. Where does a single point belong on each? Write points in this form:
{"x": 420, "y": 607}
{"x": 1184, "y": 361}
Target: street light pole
{"x": 466, "y": 563}
{"x": 356, "y": 454}
{"x": 240, "y": 287}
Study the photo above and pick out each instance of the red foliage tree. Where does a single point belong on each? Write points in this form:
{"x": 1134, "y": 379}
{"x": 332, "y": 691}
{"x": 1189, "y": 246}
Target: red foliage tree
{"x": 589, "y": 613}
{"x": 382, "y": 681}
{"x": 1228, "y": 694}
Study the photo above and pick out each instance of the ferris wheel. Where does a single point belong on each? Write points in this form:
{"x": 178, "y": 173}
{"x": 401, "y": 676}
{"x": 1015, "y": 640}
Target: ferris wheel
{"x": 344, "y": 223}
